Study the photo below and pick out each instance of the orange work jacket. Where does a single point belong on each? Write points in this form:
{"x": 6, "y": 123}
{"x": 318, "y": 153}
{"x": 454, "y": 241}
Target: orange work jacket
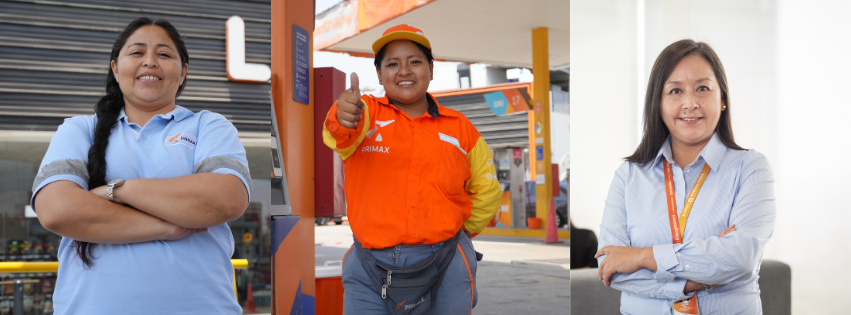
{"x": 416, "y": 180}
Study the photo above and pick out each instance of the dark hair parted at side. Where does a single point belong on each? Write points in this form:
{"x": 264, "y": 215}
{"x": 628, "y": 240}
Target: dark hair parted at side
{"x": 655, "y": 130}
{"x": 380, "y": 55}
{"x": 109, "y": 107}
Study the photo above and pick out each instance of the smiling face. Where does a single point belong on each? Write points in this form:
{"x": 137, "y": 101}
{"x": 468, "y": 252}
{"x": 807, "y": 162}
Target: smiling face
{"x": 149, "y": 70}
{"x": 405, "y": 73}
{"x": 691, "y": 102}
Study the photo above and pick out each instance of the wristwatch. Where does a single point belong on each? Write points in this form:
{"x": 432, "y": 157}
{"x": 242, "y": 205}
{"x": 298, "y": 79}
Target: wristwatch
{"x": 112, "y": 185}
{"x": 708, "y": 286}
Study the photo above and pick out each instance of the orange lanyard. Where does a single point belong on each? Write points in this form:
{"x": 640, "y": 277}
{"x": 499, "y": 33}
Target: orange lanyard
{"x": 678, "y": 226}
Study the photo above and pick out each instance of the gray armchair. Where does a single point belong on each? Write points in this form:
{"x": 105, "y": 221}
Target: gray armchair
{"x": 590, "y": 297}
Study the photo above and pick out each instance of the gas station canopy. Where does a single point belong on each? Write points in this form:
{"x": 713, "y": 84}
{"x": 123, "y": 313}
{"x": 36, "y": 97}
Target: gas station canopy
{"x": 497, "y": 32}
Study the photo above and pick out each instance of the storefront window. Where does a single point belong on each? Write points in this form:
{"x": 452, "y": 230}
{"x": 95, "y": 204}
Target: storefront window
{"x": 252, "y": 232}
{"x": 24, "y": 239}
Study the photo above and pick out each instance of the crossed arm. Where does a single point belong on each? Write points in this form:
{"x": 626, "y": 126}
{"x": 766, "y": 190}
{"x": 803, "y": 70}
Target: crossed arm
{"x": 145, "y": 209}
{"x": 662, "y": 271}
{"x": 624, "y": 259}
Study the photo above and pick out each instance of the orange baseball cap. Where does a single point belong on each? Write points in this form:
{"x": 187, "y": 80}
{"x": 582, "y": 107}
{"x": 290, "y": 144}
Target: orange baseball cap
{"x": 401, "y": 31}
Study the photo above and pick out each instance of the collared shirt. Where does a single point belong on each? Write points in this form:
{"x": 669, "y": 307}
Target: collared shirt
{"x": 193, "y": 275}
{"x": 738, "y": 190}
{"x": 413, "y": 180}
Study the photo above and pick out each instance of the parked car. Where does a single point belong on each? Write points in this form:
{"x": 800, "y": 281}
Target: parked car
{"x": 560, "y": 202}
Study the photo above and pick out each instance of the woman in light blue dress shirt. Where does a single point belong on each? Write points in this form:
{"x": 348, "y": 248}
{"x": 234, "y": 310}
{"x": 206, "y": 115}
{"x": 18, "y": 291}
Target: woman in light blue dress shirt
{"x": 687, "y": 124}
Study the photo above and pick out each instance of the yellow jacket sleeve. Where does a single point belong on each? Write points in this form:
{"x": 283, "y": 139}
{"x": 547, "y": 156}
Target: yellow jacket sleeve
{"x": 482, "y": 187}
{"x": 344, "y": 141}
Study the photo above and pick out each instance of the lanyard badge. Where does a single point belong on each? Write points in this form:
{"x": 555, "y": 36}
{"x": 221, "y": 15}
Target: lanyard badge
{"x": 678, "y": 226}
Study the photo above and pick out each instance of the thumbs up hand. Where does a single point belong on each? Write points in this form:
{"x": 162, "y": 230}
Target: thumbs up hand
{"x": 349, "y": 105}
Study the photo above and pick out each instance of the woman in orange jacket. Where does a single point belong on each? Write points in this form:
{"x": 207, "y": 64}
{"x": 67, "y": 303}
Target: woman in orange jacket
{"x": 420, "y": 183}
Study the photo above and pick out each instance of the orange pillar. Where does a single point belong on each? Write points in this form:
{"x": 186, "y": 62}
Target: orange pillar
{"x": 295, "y": 129}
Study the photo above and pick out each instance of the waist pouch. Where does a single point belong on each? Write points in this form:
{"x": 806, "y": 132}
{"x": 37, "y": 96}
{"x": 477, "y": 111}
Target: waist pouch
{"x": 409, "y": 289}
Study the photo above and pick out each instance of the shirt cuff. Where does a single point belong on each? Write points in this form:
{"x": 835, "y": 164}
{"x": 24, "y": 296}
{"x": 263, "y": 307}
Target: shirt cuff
{"x": 685, "y": 296}
{"x": 666, "y": 261}
{"x": 340, "y": 133}
{"x": 224, "y": 170}
{"x": 69, "y": 177}
{"x": 333, "y": 125}
{"x": 674, "y": 289}
{"x": 671, "y": 291}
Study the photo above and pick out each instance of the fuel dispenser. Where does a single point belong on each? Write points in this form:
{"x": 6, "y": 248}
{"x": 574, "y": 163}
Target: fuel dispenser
{"x": 280, "y": 197}
{"x": 511, "y": 173}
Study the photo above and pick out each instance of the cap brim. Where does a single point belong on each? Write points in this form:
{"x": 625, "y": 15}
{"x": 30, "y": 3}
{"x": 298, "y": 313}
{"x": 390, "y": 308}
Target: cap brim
{"x": 414, "y": 37}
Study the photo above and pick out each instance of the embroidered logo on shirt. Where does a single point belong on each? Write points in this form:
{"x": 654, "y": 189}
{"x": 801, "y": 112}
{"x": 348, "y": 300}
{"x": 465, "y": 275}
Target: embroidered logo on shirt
{"x": 375, "y": 148}
{"x": 183, "y": 138}
{"x": 378, "y": 123}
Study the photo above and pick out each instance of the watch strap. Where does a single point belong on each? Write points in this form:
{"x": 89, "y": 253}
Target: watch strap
{"x": 109, "y": 188}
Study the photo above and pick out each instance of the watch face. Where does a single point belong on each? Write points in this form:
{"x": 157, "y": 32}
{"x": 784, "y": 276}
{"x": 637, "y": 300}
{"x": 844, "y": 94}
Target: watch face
{"x": 116, "y": 182}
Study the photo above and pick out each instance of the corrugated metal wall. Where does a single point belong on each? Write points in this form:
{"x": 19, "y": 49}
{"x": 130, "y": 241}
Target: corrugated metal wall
{"x": 498, "y": 132}
{"x": 54, "y": 56}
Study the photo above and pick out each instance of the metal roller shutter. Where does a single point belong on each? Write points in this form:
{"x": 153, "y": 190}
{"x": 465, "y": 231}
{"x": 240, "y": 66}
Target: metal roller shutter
{"x": 54, "y": 56}
{"x": 499, "y": 132}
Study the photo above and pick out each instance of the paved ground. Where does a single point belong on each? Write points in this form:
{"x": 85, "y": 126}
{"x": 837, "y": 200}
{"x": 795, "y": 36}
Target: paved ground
{"x": 518, "y": 275}
{"x": 506, "y": 288}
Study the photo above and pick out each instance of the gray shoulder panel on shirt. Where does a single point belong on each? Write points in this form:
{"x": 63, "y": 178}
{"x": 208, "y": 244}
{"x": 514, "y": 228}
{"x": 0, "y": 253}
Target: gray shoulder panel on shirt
{"x": 62, "y": 167}
{"x": 215, "y": 162}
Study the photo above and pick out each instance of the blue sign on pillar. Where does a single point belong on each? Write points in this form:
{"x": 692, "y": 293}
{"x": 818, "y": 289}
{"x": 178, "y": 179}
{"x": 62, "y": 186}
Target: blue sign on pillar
{"x": 301, "y": 65}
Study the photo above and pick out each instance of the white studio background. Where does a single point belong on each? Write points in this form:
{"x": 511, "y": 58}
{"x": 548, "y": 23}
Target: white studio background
{"x": 787, "y": 69}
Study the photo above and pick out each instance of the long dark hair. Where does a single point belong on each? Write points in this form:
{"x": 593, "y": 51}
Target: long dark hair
{"x": 655, "y": 130}
{"x": 109, "y": 107}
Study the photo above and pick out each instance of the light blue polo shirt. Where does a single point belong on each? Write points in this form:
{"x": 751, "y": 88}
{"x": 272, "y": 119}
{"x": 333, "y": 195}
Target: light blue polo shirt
{"x": 191, "y": 276}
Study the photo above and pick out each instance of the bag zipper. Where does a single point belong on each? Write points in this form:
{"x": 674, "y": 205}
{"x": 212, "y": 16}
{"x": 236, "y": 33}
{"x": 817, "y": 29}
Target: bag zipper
{"x": 404, "y": 271}
{"x": 384, "y": 287}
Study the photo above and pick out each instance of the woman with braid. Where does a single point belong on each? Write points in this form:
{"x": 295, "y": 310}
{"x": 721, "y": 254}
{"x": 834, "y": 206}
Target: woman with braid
{"x": 141, "y": 191}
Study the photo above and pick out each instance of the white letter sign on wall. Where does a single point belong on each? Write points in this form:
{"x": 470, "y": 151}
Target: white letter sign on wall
{"x": 237, "y": 69}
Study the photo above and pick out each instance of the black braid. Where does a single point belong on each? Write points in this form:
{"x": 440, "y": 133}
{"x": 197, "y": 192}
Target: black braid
{"x": 107, "y": 111}
{"x": 109, "y": 107}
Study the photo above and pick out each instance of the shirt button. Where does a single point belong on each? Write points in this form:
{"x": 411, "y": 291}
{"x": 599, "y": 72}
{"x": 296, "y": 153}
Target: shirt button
{"x": 144, "y": 138}
{"x": 688, "y": 170}
{"x": 687, "y": 266}
{"x": 653, "y": 296}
